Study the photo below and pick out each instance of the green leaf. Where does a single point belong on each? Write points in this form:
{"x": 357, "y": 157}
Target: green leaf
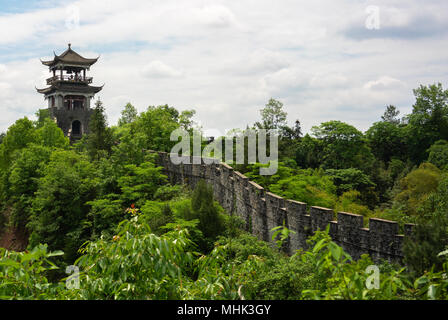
{"x": 55, "y": 253}
{"x": 443, "y": 253}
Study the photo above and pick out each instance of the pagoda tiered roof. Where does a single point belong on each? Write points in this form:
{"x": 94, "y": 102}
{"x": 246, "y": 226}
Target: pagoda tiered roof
{"x": 62, "y": 86}
{"x": 70, "y": 57}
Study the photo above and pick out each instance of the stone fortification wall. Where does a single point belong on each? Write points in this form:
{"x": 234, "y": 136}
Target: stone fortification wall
{"x": 261, "y": 211}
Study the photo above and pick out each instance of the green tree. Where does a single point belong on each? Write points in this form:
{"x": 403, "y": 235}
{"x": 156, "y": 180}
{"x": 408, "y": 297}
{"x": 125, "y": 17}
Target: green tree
{"x": 99, "y": 139}
{"x": 438, "y": 154}
{"x": 153, "y": 128}
{"x": 140, "y": 183}
{"x": 391, "y": 115}
{"x": 289, "y": 139}
{"x": 18, "y": 136}
{"x": 430, "y": 235}
{"x": 348, "y": 180}
{"x": 60, "y": 206}
{"x": 42, "y": 116}
{"x": 104, "y": 216}
{"x": 206, "y": 211}
{"x": 313, "y": 189}
{"x": 185, "y": 119}
{"x": 136, "y": 263}
{"x": 428, "y": 121}
{"x": 306, "y": 185}
{"x": 344, "y": 146}
{"x": 417, "y": 186}
{"x": 24, "y": 275}
{"x": 272, "y": 116}
{"x": 128, "y": 115}
{"x": 387, "y": 140}
{"x": 293, "y": 133}
{"x": 131, "y": 149}
{"x": 23, "y": 182}
{"x": 342, "y": 278}
{"x": 50, "y": 135}
{"x": 309, "y": 152}
{"x": 421, "y": 248}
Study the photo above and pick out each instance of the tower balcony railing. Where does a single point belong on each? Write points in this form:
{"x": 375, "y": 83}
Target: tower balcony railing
{"x": 69, "y": 78}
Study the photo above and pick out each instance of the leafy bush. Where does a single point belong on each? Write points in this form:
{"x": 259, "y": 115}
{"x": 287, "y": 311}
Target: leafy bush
{"x": 168, "y": 192}
{"x": 157, "y": 215}
{"x": 22, "y": 274}
{"x": 417, "y": 186}
{"x": 350, "y": 202}
{"x": 438, "y": 154}
{"x": 135, "y": 264}
{"x": 209, "y": 213}
{"x": 59, "y": 205}
{"x": 104, "y": 216}
{"x": 140, "y": 183}
{"x": 430, "y": 235}
{"x": 285, "y": 280}
{"x": 307, "y": 185}
{"x": 339, "y": 277}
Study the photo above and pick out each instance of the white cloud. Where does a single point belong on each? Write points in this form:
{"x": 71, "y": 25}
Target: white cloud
{"x": 226, "y": 59}
{"x": 323, "y": 81}
{"x": 384, "y": 83}
{"x": 4, "y": 89}
{"x": 158, "y": 69}
{"x": 216, "y": 16}
{"x": 286, "y": 78}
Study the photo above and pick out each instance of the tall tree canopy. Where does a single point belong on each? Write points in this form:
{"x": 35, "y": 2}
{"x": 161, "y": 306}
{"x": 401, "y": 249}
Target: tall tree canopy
{"x": 344, "y": 146}
{"x": 387, "y": 140}
{"x": 99, "y": 139}
{"x": 428, "y": 121}
{"x": 128, "y": 115}
{"x": 391, "y": 115}
{"x": 272, "y": 116}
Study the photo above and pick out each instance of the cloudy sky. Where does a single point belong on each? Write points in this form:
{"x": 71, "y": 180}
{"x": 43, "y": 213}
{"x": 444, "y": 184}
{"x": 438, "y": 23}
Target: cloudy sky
{"x": 325, "y": 60}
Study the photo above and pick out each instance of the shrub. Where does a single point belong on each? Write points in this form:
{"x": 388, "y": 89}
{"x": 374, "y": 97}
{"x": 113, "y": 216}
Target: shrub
{"x": 23, "y": 274}
{"x": 157, "y": 215}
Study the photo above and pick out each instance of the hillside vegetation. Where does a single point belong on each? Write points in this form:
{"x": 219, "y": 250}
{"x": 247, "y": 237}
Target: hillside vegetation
{"x": 102, "y": 205}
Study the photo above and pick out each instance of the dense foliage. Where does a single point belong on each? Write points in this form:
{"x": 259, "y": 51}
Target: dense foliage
{"x": 104, "y": 206}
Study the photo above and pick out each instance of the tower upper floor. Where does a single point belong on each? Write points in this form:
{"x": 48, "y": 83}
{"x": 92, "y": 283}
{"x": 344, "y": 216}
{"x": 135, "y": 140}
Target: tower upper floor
{"x": 69, "y": 75}
{"x": 69, "y": 92}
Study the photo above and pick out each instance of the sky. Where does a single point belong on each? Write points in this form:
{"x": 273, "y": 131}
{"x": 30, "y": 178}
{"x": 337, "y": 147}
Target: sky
{"x": 324, "y": 60}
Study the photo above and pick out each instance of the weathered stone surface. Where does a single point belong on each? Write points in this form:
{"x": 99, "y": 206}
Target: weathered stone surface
{"x": 320, "y": 217}
{"x": 348, "y": 234}
{"x": 263, "y": 211}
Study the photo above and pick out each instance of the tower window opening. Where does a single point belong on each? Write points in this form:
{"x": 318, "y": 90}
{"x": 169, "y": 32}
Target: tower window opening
{"x": 74, "y": 102}
{"x": 68, "y": 104}
{"x": 77, "y": 104}
{"x": 76, "y": 127}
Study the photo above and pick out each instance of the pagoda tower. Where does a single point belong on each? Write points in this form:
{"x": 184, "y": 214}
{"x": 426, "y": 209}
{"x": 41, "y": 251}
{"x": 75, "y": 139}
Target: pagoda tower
{"x": 69, "y": 92}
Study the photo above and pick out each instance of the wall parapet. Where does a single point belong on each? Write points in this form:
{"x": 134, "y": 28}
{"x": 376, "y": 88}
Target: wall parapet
{"x": 262, "y": 210}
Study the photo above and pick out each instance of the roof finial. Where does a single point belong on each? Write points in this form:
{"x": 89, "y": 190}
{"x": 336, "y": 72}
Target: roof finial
{"x": 69, "y": 45}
